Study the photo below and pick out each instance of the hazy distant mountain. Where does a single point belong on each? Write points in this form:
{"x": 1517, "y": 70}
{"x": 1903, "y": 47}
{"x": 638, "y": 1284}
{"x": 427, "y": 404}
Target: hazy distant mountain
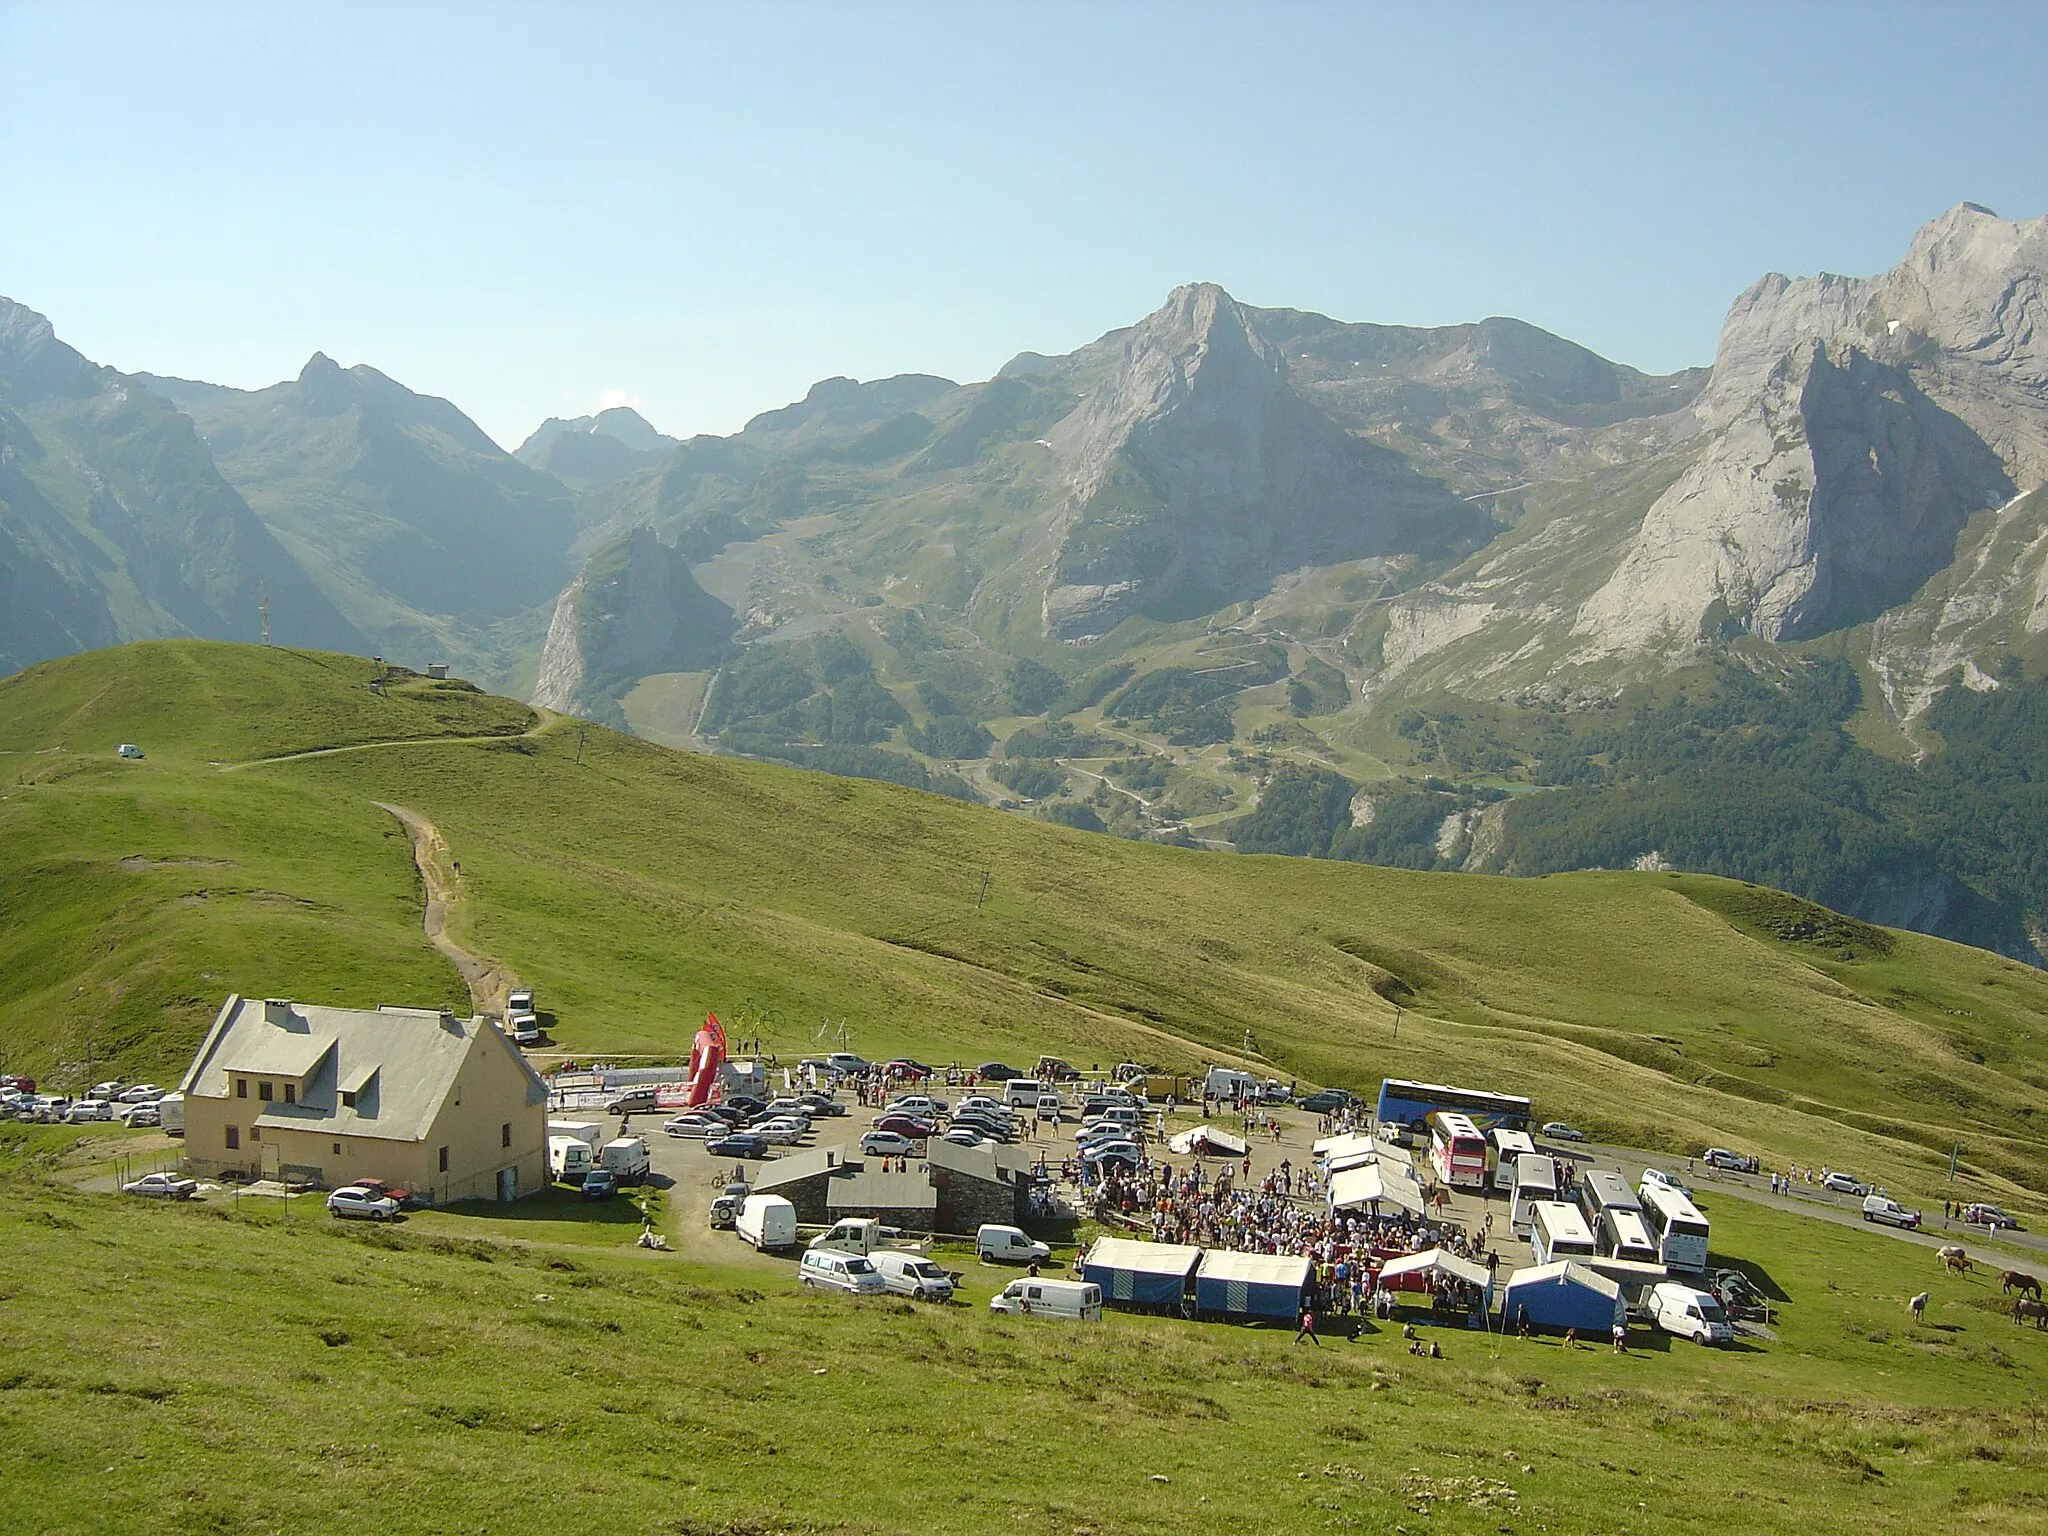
{"x": 428, "y": 536}
{"x": 115, "y": 524}
{"x": 585, "y": 451}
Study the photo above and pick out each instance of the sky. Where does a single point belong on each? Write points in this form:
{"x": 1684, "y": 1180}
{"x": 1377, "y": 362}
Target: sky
{"x": 539, "y": 210}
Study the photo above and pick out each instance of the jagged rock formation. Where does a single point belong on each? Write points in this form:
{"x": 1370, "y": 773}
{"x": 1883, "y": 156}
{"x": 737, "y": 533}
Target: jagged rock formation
{"x": 588, "y": 451}
{"x": 1851, "y": 428}
{"x": 1195, "y": 474}
{"x": 635, "y": 610}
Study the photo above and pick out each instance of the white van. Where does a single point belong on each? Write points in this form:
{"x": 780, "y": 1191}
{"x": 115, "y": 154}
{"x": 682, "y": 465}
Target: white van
{"x": 1023, "y": 1092}
{"x": 1887, "y": 1210}
{"x": 1073, "y": 1299}
{"x": 911, "y": 1274}
{"x": 1229, "y": 1083}
{"x": 569, "y": 1158}
{"x": 627, "y": 1159}
{"x": 1049, "y": 1107}
{"x": 834, "y": 1271}
{"x": 1689, "y": 1313}
{"x": 170, "y": 1112}
{"x": 769, "y": 1223}
{"x": 996, "y": 1244}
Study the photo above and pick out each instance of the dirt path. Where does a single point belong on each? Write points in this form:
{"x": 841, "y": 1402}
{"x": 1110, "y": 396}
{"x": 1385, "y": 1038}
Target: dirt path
{"x": 488, "y": 980}
{"x": 545, "y": 720}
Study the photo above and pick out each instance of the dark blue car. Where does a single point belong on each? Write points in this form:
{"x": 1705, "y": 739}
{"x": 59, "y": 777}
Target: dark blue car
{"x": 741, "y": 1145}
{"x": 600, "y": 1184}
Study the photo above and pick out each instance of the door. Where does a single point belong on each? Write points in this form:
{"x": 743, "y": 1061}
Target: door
{"x": 508, "y": 1183}
{"x": 270, "y": 1159}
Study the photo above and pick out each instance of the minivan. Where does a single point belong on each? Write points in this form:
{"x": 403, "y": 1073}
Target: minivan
{"x": 832, "y": 1271}
{"x": 997, "y": 1244}
{"x": 1074, "y": 1299}
{"x": 1023, "y": 1092}
{"x": 1049, "y": 1107}
{"x": 1887, "y": 1210}
{"x": 912, "y": 1274}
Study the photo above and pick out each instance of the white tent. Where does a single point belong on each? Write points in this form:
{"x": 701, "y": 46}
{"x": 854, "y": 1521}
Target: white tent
{"x": 1342, "y": 1145}
{"x": 1436, "y": 1261}
{"x": 1208, "y": 1141}
{"x": 1375, "y": 1185}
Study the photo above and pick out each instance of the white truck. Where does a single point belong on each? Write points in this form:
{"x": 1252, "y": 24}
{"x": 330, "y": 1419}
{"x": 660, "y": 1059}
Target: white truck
{"x": 769, "y": 1223}
{"x": 627, "y": 1159}
{"x": 569, "y": 1157}
{"x": 1075, "y": 1300}
{"x": 1229, "y": 1083}
{"x": 1688, "y": 1313}
{"x": 864, "y": 1235}
{"x": 995, "y": 1243}
{"x": 170, "y": 1111}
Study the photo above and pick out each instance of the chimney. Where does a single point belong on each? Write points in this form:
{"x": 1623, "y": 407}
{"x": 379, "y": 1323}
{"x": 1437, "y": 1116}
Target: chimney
{"x": 277, "y": 1010}
{"x": 828, "y": 1157}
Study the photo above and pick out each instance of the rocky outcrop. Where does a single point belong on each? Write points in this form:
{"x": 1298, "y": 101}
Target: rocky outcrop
{"x": 635, "y": 610}
{"x": 1194, "y": 474}
{"x": 1850, "y": 429}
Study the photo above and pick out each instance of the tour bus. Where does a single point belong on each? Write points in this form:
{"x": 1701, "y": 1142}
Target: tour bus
{"x": 1625, "y": 1235}
{"x": 1558, "y": 1230}
{"x": 1600, "y": 1191}
{"x": 1507, "y": 1147}
{"x": 1457, "y": 1150}
{"x": 1677, "y": 1228}
{"x": 1404, "y": 1105}
{"x": 1535, "y": 1179}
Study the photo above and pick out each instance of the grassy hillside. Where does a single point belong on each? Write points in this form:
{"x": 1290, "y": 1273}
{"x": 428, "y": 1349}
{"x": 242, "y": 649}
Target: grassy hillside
{"x": 291, "y": 1375}
{"x": 638, "y": 886}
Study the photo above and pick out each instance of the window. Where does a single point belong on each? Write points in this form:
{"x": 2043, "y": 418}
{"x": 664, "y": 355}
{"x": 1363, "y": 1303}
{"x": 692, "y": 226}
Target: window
{"x": 234, "y": 1139}
{"x": 291, "y": 1093}
{"x": 241, "y": 1087}
{"x": 255, "y": 1133}
{"x": 337, "y": 1149}
{"x": 444, "y": 1159}
{"x": 263, "y": 1092}
{"x": 505, "y": 1134}
{"x": 348, "y": 1098}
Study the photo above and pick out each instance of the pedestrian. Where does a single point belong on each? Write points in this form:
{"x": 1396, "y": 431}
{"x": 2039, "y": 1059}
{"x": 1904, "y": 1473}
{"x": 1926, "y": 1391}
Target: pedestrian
{"x": 1571, "y": 1338}
{"x": 1308, "y": 1328}
{"x": 1620, "y": 1338}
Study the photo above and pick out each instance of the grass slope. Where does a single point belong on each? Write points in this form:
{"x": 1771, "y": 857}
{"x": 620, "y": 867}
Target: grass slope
{"x": 639, "y": 886}
{"x": 208, "y": 1370}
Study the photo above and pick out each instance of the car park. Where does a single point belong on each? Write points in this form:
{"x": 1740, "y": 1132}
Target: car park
{"x": 694, "y": 1125}
{"x": 1844, "y": 1184}
{"x": 738, "y": 1144}
{"x": 162, "y": 1186}
{"x": 887, "y": 1144}
{"x": 352, "y": 1202}
{"x": 1982, "y": 1215}
{"x": 1883, "y": 1208}
{"x": 600, "y": 1184}
{"x": 912, "y": 1275}
{"x": 1559, "y": 1131}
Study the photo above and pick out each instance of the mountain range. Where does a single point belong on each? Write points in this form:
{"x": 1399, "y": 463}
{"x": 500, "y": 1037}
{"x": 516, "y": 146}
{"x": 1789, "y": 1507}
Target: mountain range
{"x": 1462, "y": 597}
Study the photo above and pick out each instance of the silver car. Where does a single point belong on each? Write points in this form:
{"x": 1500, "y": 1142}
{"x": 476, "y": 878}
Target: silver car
{"x": 352, "y": 1204}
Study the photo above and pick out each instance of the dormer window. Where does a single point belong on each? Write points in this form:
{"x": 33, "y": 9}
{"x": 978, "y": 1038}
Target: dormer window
{"x": 241, "y": 1087}
{"x": 291, "y": 1093}
{"x": 348, "y": 1098}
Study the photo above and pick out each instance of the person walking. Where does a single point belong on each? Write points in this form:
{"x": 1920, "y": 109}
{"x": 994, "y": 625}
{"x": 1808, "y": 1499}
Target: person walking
{"x": 1308, "y": 1328}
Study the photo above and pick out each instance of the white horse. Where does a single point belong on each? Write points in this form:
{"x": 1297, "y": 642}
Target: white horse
{"x": 1918, "y": 1305}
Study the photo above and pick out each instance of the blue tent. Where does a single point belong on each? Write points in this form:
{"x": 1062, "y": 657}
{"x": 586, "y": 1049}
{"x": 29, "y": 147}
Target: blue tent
{"x": 1140, "y": 1274}
{"x": 1560, "y": 1296}
{"x": 1251, "y": 1285}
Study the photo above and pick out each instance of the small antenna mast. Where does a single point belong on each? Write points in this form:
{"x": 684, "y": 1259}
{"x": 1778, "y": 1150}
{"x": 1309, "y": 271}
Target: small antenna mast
{"x": 263, "y": 607}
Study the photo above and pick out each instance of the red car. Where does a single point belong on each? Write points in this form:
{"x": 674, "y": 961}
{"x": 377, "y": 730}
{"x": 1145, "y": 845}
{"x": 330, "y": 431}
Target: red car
{"x": 906, "y": 1125}
{"x": 904, "y": 1068}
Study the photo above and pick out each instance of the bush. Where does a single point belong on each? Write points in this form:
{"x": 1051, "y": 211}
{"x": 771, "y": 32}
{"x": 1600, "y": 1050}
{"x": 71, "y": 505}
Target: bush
{"x": 1030, "y": 777}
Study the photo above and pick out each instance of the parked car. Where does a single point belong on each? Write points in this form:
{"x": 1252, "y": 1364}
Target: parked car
{"x": 833, "y": 1271}
{"x": 1665, "y": 1180}
{"x": 739, "y": 1144}
{"x": 354, "y": 1203}
{"x": 162, "y": 1186}
{"x": 1982, "y": 1215}
{"x": 128, "y": 749}
{"x": 747, "y": 1104}
{"x": 694, "y": 1125}
{"x": 1843, "y": 1184}
{"x": 1887, "y": 1210}
{"x": 83, "y": 1111}
{"x": 916, "y": 1127}
{"x": 822, "y": 1104}
{"x": 922, "y": 1105}
{"x": 790, "y": 1105}
{"x": 600, "y": 1184}
{"x": 1731, "y": 1162}
{"x": 964, "y": 1136}
{"x": 1119, "y": 1156}
{"x": 1327, "y": 1102}
{"x": 141, "y": 1093}
{"x": 725, "y": 1211}
{"x": 1071, "y": 1300}
{"x": 780, "y": 1132}
{"x": 996, "y": 1072}
{"x": 905, "y": 1067}
{"x": 845, "y": 1063}
{"x": 886, "y": 1144}
{"x": 137, "y": 1116}
{"x": 1690, "y": 1314}
{"x": 1559, "y": 1131}
{"x": 112, "y": 1088}
{"x": 912, "y": 1274}
{"x": 396, "y": 1194}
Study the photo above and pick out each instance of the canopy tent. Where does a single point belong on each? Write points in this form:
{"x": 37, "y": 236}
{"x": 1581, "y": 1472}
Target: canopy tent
{"x": 1375, "y": 1185}
{"x": 1562, "y": 1295}
{"x": 1265, "y": 1285}
{"x": 1208, "y": 1141}
{"x": 1342, "y": 1145}
{"x": 1147, "y": 1274}
{"x": 1436, "y": 1261}
{"x": 1337, "y": 1162}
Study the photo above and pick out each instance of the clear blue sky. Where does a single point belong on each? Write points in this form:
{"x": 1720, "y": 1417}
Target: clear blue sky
{"x": 532, "y": 209}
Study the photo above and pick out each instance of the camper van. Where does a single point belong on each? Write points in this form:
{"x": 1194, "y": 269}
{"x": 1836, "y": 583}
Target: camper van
{"x": 1229, "y": 1083}
{"x": 769, "y": 1223}
{"x": 1690, "y": 1314}
{"x": 170, "y": 1110}
{"x": 860, "y": 1234}
{"x": 1068, "y": 1299}
{"x": 569, "y": 1157}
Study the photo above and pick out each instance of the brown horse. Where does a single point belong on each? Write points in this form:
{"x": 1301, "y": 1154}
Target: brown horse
{"x": 2019, "y": 1280}
{"x": 1955, "y": 1261}
{"x": 2026, "y": 1307}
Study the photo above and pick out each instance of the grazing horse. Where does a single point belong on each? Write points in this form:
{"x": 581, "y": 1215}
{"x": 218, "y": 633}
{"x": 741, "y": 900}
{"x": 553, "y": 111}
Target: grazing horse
{"x": 2026, "y": 1307}
{"x": 1955, "y": 1260}
{"x": 1917, "y": 1305}
{"x": 2019, "y": 1280}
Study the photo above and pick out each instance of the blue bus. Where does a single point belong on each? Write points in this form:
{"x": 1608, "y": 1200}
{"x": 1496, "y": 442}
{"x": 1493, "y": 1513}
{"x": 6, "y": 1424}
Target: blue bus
{"x": 1406, "y": 1105}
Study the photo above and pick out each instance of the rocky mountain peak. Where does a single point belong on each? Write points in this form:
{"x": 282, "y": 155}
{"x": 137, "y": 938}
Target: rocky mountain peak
{"x": 34, "y": 363}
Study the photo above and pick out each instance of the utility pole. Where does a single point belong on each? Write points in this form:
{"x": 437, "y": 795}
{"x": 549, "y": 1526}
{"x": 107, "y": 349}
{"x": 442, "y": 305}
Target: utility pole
{"x": 986, "y": 876}
{"x": 1397, "y": 1021}
{"x": 581, "y": 732}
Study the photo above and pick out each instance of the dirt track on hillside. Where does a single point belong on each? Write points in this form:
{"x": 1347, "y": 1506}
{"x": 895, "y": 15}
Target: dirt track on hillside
{"x": 488, "y": 980}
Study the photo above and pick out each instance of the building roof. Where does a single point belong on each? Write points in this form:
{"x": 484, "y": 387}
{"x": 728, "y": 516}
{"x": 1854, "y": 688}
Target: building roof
{"x": 1288, "y": 1269}
{"x": 1142, "y": 1258}
{"x": 874, "y": 1190}
{"x": 987, "y": 1162}
{"x": 400, "y": 1064}
{"x": 795, "y": 1167}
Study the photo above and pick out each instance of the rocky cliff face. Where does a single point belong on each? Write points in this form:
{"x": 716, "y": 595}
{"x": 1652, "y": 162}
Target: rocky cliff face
{"x": 1194, "y": 474}
{"x": 635, "y": 610}
{"x": 1850, "y": 429}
